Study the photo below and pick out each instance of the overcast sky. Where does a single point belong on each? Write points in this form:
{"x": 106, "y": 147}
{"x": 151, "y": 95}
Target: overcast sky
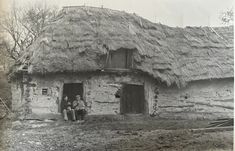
{"x": 170, "y": 12}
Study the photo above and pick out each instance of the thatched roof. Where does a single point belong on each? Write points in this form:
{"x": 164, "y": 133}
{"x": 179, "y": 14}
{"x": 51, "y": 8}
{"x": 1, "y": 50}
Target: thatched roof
{"x": 79, "y": 38}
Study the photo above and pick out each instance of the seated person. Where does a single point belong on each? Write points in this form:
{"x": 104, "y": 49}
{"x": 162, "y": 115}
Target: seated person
{"x": 78, "y": 107}
{"x": 66, "y": 107}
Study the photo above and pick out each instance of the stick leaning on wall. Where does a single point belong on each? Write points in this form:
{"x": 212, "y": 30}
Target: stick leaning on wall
{"x": 6, "y": 108}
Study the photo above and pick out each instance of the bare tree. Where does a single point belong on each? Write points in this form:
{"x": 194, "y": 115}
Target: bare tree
{"x": 23, "y": 26}
{"x": 3, "y": 53}
{"x": 227, "y": 17}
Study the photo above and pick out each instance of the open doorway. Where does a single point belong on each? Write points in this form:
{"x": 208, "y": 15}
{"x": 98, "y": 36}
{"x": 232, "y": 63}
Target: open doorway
{"x": 132, "y": 99}
{"x": 73, "y": 89}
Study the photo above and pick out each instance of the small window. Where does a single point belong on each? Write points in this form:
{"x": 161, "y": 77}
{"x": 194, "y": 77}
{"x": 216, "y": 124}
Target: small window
{"x": 118, "y": 93}
{"x": 44, "y": 91}
{"x": 121, "y": 59}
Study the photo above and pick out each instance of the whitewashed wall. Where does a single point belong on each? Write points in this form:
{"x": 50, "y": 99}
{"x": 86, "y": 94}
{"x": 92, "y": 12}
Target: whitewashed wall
{"x": 99, "y": 92}
{"x": 17, "y": 100}
{"x": 200, "y": 99}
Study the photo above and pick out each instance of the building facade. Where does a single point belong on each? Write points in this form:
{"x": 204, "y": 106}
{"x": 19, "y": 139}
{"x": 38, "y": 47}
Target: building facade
{"x": 120, "y": 63}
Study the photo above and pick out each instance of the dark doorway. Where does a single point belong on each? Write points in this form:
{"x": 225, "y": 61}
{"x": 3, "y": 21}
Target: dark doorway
{"x": 73, "y": 89}
{"x": 132, "y": 100}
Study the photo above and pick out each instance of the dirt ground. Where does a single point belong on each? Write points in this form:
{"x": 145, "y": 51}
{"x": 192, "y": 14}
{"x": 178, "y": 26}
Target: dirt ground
{"x": 118, "y": 135}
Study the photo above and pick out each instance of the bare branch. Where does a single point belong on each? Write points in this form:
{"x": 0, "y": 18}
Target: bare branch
{"x": 24, "y": 26}
{"x": 227, "y": 17}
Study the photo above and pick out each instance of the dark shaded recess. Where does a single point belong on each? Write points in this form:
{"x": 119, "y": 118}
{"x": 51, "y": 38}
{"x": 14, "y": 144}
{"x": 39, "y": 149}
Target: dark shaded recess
{"x": 71, "y": 90}
{"x": 132, "y": 99}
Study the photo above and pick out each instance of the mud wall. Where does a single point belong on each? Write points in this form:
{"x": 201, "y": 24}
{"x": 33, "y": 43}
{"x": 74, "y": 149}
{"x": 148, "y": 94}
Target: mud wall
{"x": 208, "y": 99}
{"x": 99, "y": 92}
{"x": 17, "y": 101}
{"x": 200, "y": 99}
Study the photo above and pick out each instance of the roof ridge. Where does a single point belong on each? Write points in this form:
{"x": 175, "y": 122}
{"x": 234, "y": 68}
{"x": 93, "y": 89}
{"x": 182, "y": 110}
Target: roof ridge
{"x": 93, "y": 7}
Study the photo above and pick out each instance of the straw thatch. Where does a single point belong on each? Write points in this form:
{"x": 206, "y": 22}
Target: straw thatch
{"x": 80, "y": 38}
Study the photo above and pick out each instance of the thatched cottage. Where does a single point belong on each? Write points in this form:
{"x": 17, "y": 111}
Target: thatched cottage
{"x": 121, "y": 63}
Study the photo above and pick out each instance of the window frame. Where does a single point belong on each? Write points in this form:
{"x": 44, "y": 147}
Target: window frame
{"x": 44, "y": 91}
{"x": 127, "y": 56}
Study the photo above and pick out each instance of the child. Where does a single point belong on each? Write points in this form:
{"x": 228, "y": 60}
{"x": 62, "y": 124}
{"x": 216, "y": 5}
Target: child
{"x": 66, "y": 107}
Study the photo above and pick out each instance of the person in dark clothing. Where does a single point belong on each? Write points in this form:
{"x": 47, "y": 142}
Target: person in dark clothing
{"x": 66, "y": 107}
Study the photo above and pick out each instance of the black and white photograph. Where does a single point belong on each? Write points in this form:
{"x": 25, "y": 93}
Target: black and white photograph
{"x": 116, "y": 75}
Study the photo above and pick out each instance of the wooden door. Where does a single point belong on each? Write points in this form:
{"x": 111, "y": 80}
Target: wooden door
{"x": 132, "y": 100}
